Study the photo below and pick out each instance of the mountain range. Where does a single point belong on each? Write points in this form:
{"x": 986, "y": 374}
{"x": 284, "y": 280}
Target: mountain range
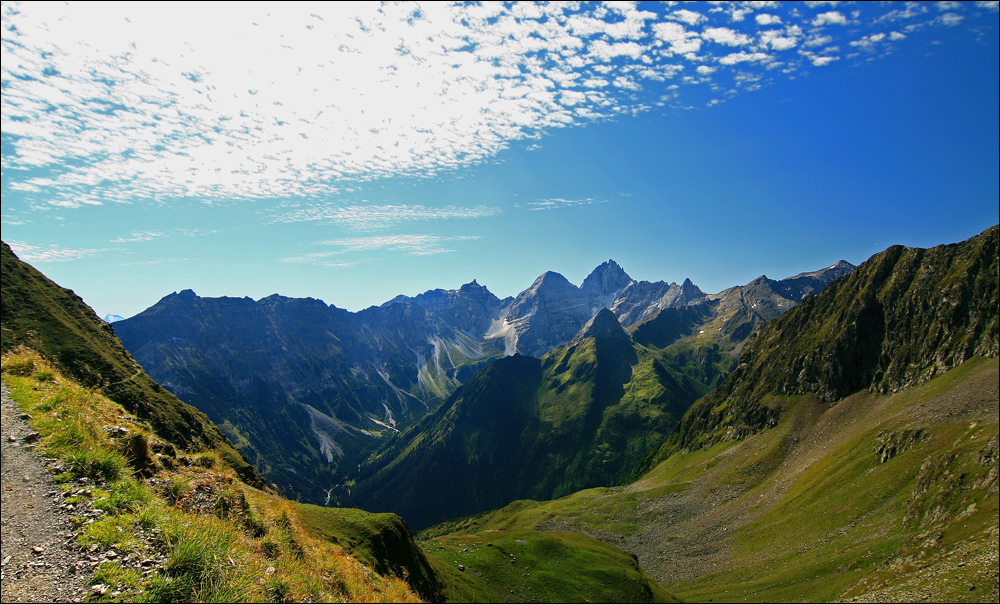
{"x": 307, "y": 390}
{"x": 841, "y": 445}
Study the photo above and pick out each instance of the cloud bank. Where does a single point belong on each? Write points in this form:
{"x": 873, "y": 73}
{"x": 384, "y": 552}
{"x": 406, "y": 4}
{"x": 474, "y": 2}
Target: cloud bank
{"x": 121, "y": 102}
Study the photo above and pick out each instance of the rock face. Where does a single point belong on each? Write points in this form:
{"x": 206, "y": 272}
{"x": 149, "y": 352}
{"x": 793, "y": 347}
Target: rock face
{"x": 303, "y": 387}
{"x": 523, "y": 428}
{"x": 471, "y": 308}
{"x": 643, "y": 299}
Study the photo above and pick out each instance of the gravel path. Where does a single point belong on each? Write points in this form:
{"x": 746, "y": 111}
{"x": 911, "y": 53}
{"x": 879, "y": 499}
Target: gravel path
{"x": 41, "y": 562}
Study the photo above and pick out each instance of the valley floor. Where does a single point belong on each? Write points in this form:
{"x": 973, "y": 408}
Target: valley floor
{"x": 873, "y": 498}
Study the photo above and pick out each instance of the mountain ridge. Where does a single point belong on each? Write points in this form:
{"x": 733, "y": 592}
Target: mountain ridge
{"x": 307, "y": 389}
{"x": 878, "y": 329}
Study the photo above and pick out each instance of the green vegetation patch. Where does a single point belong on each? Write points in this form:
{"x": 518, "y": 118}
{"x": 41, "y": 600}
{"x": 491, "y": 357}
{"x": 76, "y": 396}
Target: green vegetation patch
{"x": 522, "y": 566}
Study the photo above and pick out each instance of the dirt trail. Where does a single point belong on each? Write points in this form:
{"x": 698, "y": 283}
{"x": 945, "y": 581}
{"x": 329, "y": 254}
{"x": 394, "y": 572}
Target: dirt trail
{"x": 41, "y": 562}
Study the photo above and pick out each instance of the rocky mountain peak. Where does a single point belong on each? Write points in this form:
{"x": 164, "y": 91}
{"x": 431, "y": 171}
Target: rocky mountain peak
{"x": 603, "y": 325}
{"x": 608, "y": 278}
{"x": 474, "y": 290}
{"x": 691, "y": 292}
{"x": 548, "y": 281}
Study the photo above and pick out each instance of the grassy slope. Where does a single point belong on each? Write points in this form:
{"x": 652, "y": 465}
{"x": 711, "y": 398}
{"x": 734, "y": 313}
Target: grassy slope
{"x": 221, "y": 539}
{"x": 533, "y": 566}
{"x": 37, "y": 313}
{"x": 808, "y": 510}
{"x": 900, "y": 318}
{"x": 581, "y": 416}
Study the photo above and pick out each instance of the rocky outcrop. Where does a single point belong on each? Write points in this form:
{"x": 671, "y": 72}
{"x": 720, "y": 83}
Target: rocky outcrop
{"x": 550, "y": 312}
{"x": 643, "y": 299}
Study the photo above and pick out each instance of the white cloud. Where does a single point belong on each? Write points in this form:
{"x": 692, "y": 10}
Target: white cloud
{"x": 776, "y": 41}
{"x": 556, "y": 203}
{"x": 159, "y": 261}
{"x": 869, "y": 42}
{"x": 117, "y": 102}
{"x": 724, "y": 35}
{"x": 381, "y": 216}
{"x": 687, "y": 16}
{"x": 140, "y": 236}
{"x": 744, "y": 57}
{"x": 414, "y": 245}
{"x": 681, "y": 41}
{"x": 605, "y": 52}
{"x": 52, "y": 253}
{"x": 950, "y": 19}
{"x": 821, "y": 61}
{"x": 829, "y": 18}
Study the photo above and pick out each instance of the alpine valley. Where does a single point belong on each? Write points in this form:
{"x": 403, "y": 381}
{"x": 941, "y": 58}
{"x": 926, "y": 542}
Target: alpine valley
{"x": 829, "y": 436}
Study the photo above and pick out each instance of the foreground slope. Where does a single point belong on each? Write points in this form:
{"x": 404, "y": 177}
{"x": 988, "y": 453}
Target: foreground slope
{"x": 153, "y": 523}
{"x": 853, "y": 455}
{"x": 37, "y": 313}
{"x": 878, "y": 497}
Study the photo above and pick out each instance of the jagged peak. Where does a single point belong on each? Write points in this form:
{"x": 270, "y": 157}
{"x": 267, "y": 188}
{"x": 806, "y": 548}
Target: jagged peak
{"x": 474, "y": 287}
{"x": 550, "y": 279}
{"x": 688, "y": 287}
{"x": 603, "y": 325}
{"x": 607, "y": 278}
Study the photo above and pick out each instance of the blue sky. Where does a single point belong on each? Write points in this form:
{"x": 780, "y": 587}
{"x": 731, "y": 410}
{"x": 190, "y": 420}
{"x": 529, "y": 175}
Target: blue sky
{"x": 353, "y": 153}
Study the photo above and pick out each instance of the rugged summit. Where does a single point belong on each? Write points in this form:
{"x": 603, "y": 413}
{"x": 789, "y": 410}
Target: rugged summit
{"x": 303, "y": 387}
{"x": 550, "y": 312}
{"x": 605, "y": 282}
{"x": 471, "y": 308}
